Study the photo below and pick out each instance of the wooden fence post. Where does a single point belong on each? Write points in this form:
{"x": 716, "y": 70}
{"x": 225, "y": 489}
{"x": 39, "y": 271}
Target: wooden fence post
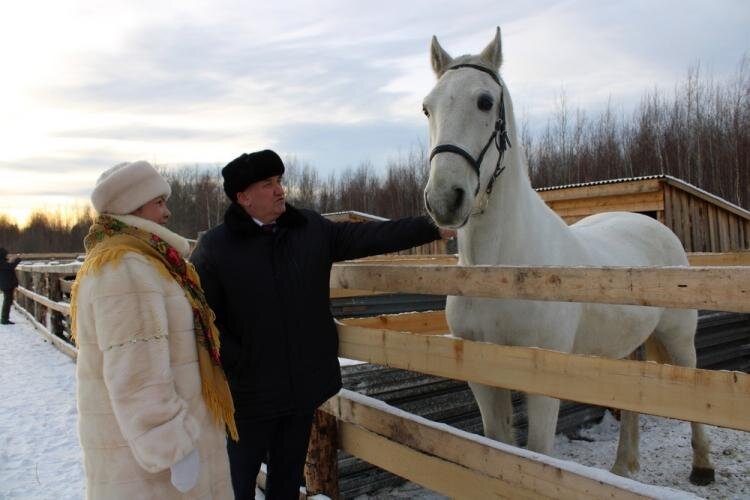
{"x": 321, "y": 466}
{"x": 23, "y": 300}
{"x": 36, "y": 287}
{"x": 55, "y": 293}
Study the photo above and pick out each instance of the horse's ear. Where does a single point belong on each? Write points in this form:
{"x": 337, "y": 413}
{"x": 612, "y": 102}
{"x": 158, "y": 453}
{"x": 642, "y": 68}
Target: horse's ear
{"x": 440, "y": 58}
{"x": 493, "y": 53}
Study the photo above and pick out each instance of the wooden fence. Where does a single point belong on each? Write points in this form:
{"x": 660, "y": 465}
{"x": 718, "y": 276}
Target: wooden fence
{"x": 462, "y": 465}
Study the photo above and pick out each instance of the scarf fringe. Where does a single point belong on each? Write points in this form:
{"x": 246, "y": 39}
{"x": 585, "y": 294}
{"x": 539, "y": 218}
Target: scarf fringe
{"x": 214, "y": 397}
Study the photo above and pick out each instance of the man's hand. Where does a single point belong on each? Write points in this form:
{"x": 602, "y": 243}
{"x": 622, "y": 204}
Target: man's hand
{"x": 447, "y": 234}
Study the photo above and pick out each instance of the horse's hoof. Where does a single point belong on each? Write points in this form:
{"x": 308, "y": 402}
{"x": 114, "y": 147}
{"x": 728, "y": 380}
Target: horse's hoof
{"x": 701, "y": 476}
{"x": 621, "y": 471}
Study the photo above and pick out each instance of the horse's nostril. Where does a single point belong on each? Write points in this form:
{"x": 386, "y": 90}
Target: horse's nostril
{"x": 458, "y": 198}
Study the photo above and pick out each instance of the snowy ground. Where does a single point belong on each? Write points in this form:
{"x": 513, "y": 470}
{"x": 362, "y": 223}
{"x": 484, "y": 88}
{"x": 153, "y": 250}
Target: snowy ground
{"x": 40, "y": 457}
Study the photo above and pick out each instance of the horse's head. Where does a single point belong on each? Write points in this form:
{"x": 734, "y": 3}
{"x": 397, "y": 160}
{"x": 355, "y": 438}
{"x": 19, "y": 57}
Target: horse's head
{"x": 466, "y": 116}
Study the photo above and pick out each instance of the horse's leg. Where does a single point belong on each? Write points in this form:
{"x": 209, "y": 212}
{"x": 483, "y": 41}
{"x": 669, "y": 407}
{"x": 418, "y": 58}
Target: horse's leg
{"x": 676, "y": 331}
{"x": 626, "y": 462}
{"x": 497, "y": 412}
{"x": 542, "y": 413}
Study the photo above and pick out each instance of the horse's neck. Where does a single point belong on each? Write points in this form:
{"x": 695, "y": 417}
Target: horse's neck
{"x": 515, "y": 227}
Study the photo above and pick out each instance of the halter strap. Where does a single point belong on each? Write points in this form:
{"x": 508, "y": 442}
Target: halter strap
{"x": 499, "y": 135}
{"x": 490, "y": 72}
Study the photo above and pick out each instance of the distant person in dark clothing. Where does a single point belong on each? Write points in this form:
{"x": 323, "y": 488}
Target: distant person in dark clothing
{"x": 8, "y": 284}
{"x": 266, "y": 273}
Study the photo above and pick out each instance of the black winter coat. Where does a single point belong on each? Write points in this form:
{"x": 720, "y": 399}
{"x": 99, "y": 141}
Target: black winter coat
{"x": 8, "y": 279}
{"x": 270, "y": 293}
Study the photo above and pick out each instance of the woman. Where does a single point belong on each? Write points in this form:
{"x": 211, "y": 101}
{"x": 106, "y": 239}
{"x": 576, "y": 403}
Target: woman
{"x": 153, "y": 401}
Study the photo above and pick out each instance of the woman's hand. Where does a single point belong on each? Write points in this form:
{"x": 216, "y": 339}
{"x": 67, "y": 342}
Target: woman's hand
{"x": 185, "y": 472}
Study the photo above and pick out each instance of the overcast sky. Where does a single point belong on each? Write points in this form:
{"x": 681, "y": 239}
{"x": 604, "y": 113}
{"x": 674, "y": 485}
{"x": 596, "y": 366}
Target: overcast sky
{"x": 88, "y": 84}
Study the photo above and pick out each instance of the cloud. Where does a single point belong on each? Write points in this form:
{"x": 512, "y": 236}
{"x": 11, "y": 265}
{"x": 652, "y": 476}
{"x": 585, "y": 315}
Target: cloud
{"x": 333, "y": 147}
{"x": 87, "y": 86}
{"x": 144, "y": 132}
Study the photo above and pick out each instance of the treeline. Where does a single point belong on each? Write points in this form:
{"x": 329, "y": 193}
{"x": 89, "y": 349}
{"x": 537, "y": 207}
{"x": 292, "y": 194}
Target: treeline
{"x": 700, "y": 134}
{"x": 198, "y": 201}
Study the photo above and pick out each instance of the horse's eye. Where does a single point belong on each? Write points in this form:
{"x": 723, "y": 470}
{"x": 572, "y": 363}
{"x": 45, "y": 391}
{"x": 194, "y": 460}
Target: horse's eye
{"x": 424, "y": 110}
{"x": 484, "y": 102}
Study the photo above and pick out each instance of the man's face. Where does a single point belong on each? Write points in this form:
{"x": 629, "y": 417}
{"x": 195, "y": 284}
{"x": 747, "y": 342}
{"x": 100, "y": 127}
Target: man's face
{"x": 264, "y": 199}
{"x": 155, "y": 210}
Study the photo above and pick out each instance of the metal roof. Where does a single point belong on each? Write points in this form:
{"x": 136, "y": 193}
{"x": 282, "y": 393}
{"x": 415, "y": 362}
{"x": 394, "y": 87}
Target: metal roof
{"x": 606, "y": 181}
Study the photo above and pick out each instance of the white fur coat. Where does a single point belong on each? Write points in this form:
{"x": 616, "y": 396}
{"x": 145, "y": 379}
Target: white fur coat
{"x": 139, "y": 390}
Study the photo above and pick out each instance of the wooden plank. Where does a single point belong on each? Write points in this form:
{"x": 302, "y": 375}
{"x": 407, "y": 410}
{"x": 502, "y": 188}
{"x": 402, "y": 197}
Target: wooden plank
{"x": 430, "y": 471}
{"x": 66, "y": 285}
{"x": 714, "y": 288}
{"x": 685, "y": 222}
{"x": 572, "y": 219}
{"x": 734, "y": 233}
{"x": 646, "y": 206}
{"x": 713, "y": 397}
{"x": 724, "y": 244}
{"x": 50, "y": 256}
{"x": 41, "y": 299}
{"x": 713, "y": 229}
{"x": 698, "y": 225}
{"x": 667, "y": 217}
{"x": 431, "y": 322}
{"x": 341, "y": 293}
{"x": 406, "y": 259}
{"x": 321, "y": 464}
{"x": 676, "y": 226}
{"x": 584, "y": 192}
{"x": 655, "y": 351}
{"x": 63, "y": 346}
{"x": 601, "y": 202}
{"x": 724, "y": 205}
{"x": 462, "y": 465}
{"x": 695, "y": 258}
{"x": 719, "y": 258}
{"x": 67, "y": 269}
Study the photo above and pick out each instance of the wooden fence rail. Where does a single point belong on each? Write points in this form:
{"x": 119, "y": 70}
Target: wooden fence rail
{"x": 714, "y": 288}
{"x": 714, "y": 397}
{"x": 464, "y": 465}
{"x": 454, "y": 464}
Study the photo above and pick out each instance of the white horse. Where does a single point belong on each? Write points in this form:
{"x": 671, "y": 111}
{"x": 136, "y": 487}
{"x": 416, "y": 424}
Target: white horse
{"x": 479, "y": 184}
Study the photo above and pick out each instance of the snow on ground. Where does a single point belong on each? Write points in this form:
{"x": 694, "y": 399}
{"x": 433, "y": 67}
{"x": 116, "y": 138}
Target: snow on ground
{"x": 40, "y": 457}
{"x": 666, "y": 455}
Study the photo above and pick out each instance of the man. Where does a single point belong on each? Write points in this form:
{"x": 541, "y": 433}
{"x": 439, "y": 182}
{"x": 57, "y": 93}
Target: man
{"x": 8, "y": 284}
{"x": 266, "y": 273}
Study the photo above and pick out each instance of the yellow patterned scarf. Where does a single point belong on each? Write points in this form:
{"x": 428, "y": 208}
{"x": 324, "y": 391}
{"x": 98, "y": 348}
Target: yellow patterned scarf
{"x": 107, "y": 241}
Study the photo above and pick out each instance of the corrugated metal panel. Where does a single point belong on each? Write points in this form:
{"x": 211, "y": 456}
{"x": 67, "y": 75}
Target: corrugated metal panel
{"x": 602, "y": 182}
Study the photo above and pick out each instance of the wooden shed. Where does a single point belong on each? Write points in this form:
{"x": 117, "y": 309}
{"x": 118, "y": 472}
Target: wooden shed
{"x": 703, "y": 221}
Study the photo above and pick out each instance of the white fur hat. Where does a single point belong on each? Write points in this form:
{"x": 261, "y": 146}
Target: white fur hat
{"x": 126, "y": 187}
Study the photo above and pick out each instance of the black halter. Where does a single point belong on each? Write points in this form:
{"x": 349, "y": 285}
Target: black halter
{"x": 499, "y": 136}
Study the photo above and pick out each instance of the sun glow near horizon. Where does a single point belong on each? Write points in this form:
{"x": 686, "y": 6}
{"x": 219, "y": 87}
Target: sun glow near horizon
{"x": 20, "y": 209}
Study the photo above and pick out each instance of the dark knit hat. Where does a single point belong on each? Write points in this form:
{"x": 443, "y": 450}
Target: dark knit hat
{"x": 248, "y": 168}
